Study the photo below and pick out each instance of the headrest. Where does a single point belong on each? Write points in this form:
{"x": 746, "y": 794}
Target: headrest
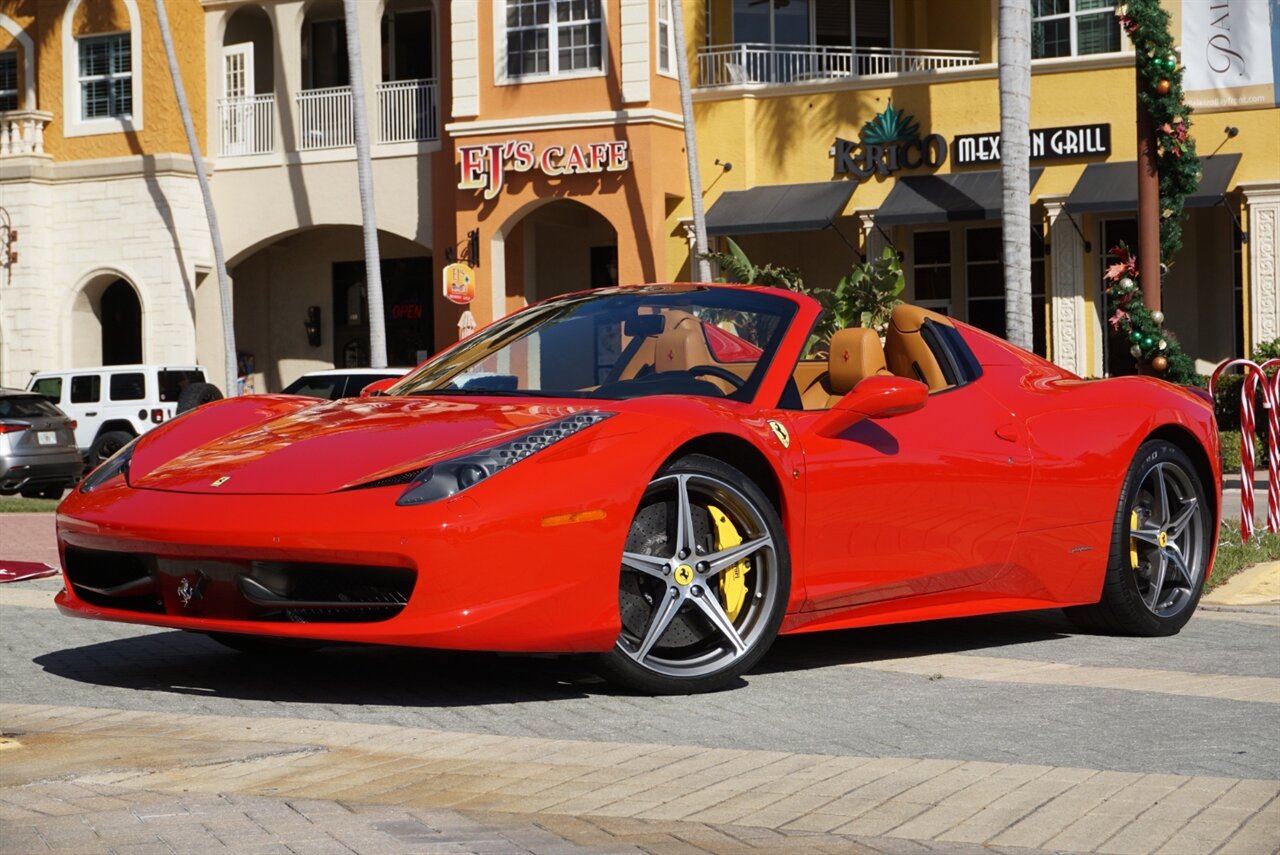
{"x": 855, "y": 354}
{"x": 681, "y": 348}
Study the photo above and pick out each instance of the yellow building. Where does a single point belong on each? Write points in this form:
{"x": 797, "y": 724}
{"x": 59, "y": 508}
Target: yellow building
{"x": 543, "y": 142}
{"x": 785, "y": 92}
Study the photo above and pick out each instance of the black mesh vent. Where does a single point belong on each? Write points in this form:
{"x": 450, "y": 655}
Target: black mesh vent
{"x": 391, "y": 480}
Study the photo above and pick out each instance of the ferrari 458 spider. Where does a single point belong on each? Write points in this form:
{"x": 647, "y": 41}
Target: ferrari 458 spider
{"x": 662, "y": 476}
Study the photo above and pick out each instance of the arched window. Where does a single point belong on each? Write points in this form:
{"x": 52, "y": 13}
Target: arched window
{"x": 101, "y": 68}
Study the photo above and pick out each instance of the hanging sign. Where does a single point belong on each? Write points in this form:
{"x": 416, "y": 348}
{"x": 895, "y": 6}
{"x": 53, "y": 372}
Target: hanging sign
{"x": 1231, "y": 54}
{"x": 889, "y": 142}
{"x": 459, "y": 283}
{"x": 485, "y": 167}
{"x": 1046, "y": 144}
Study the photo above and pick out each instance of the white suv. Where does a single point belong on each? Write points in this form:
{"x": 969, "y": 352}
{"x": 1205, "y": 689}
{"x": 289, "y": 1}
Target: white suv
{"x": 113, "y": 404}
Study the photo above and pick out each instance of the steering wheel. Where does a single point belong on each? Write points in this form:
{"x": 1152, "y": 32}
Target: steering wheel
{"x": 716, "y": 371}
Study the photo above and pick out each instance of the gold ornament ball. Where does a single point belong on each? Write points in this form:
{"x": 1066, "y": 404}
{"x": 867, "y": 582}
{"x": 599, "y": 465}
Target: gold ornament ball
{"x": 1160, "y": 363}
{"x": 1163, "y": 87}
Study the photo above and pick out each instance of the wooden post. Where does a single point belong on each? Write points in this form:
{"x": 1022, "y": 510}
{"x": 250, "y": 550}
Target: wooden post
{"x": 1148, "y": 209}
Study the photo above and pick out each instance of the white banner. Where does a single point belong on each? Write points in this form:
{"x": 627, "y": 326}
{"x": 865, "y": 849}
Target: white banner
{"x": 1230, "y": 53}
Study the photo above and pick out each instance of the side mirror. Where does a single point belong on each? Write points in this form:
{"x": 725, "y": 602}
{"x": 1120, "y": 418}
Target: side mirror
{"x": 878, "y": 397}
{"x": 379, "y": 387}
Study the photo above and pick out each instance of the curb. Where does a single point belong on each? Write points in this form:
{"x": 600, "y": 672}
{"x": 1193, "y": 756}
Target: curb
{"x": 1257, "y": 586}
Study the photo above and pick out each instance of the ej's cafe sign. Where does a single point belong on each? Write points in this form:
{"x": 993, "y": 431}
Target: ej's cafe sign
{"x": 485, "y": 167}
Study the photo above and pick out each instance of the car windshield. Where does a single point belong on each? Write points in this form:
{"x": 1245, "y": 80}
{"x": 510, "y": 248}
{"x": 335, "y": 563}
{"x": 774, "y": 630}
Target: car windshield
{"x": 27, "y": 407}
{"x": 618, "y": 343}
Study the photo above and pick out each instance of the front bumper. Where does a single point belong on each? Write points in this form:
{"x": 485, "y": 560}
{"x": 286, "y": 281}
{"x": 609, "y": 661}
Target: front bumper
{"x": 487, "y": 573}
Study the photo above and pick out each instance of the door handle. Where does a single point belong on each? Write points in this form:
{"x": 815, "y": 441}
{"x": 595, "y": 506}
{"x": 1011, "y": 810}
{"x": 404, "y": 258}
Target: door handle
{"x": 90, "y": 414}
{"x": 1008, "y": 432}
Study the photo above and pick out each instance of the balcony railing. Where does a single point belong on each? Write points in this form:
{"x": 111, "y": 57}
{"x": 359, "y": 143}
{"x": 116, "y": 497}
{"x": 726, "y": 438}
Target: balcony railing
{"x": 22, "y": 132}
{"x": 247, "y": 125}
{"x": 739, "y": 64}
{"x": 407, "y": 111}
{"x": 324, "y": 118}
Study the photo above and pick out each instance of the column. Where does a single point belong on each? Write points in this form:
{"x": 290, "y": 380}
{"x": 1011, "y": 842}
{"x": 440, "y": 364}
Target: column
{"x": 873, "y": 239}
{"x": 1262, "y": 211}
{"x": 1070, "y": 317}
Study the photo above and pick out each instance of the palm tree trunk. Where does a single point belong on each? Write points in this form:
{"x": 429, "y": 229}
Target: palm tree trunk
{"x": 215, "y": 235}
{"x": 703, "y": 266}
{"x": 1015, "y": 155}
{"x": 364, "y": 174}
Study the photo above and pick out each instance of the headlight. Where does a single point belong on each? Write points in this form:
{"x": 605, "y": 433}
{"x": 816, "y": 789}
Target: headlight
{"x": 453, "y": 476}
{"x": 114, "y": 465}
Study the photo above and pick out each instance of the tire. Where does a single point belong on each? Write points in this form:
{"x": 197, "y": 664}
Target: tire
{"x": 719, "y": 618}
{"x": 261, "y": 645}
{"x": 43, "y": 492}
{"x": 106, "y": 445}
{"x": 196, "y": 394}
{"x": 1156, "y": 569}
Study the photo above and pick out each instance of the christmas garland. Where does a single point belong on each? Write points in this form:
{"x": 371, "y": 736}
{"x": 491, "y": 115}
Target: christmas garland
{"x": 1160, "y": 93}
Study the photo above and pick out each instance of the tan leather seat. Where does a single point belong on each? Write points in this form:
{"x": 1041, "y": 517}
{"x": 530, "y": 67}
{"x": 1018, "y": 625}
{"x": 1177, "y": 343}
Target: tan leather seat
{"x": 855, "y": 354}
{"x": 906, "y": 351}
{"x": 681, "y": 348}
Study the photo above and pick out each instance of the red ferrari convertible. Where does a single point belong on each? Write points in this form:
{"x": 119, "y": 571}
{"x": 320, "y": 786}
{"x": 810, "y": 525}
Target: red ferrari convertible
{"x": 662, "y": 476}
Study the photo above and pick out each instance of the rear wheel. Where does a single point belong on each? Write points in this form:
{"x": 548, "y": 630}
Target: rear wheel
{"x": 1160, "y": 548}
{"x": 704, "y": 581}
{"x": 107, "y": 444}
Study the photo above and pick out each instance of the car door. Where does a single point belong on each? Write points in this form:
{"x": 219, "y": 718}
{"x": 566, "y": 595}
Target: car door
{"x": 128, "y": 399}
{"x": 83, "y": 402}
{"x": 922, "y": 503}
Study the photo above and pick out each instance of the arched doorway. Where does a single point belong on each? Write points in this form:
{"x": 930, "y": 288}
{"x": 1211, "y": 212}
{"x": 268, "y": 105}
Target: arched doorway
{"x": 106, "y": 323}
{"x": 560, "y": 247}
{"x": 302, "y": 304}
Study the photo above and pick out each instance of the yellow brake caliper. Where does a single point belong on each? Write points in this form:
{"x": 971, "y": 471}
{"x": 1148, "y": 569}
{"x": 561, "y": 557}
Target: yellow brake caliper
{"x": 1133, "y": 542}
{"x": 733, "y": 585}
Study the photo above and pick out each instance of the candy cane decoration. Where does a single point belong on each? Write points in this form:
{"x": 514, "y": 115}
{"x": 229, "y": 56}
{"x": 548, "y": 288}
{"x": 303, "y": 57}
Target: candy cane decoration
{"x": 1255, "y": 378}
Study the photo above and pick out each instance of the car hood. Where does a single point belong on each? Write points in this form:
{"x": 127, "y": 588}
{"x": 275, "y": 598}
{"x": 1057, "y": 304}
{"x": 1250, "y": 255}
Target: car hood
{"x": 331, "y": 446}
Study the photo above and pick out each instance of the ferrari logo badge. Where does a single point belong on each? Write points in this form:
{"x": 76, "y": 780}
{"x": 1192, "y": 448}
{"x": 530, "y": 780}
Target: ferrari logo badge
{"x": 845, "y": 356}
{"x": 1163, "y": 539}
{"x": 188, "y": 591}
{"x": 684, "y": 574}
{"x": 220, "y": 481}
{"x": 780, "y": 431}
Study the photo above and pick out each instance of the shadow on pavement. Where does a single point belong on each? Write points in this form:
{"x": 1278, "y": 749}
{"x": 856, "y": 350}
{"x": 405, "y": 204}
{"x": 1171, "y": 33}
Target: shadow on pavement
{"x": 191, "y": 664}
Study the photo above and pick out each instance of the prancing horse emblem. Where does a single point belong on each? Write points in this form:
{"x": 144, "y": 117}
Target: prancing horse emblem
{"x": 780, "y": 431}
{"x": 188, "y": 591}
{"x": 220, "y": 481}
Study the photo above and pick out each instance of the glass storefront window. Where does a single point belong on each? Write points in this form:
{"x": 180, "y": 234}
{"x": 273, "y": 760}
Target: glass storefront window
{"x": 1073, "y": 28}
{"x": 931, "y": 254}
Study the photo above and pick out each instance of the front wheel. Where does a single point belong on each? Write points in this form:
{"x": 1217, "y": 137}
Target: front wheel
{"x": 704, "y": 581}
{"x": 1160, "y": 547}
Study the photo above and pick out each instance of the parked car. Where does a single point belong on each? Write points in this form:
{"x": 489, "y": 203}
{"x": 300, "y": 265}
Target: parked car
{"x": 115, "y": 403}
{"x": 340, "y": 382}
{"x": 654, "y": 475}
{"x": 38, "y": 454}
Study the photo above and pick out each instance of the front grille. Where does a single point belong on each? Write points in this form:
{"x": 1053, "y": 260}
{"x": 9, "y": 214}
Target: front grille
{"x": 289, "y": 591}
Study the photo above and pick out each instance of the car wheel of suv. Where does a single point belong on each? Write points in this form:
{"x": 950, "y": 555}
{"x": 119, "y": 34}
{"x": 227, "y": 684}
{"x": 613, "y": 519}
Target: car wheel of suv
{"x": 106, "y": 445}
{"x": 196, "y": 394}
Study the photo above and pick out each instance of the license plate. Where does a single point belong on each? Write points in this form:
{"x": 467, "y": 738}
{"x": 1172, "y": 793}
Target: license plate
{"x": 47, "y": 437}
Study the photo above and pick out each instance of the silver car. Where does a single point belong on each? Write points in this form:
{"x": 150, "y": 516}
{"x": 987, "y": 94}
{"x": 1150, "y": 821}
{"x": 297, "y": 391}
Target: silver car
{"x": 38, "y": 454}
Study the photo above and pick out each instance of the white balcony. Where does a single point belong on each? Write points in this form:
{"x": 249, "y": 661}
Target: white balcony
{"x": 747, "y": 64}
{"x": 407, "y": 111}
{"x": 247, "y": 125}
{"x": 22, "y": 132}
{"x": 324, "y": 118}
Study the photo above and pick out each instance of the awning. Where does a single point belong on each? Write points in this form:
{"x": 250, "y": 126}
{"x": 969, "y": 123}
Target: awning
{"x": 779, "y": 208}
{"x": 944, "y": 198}
{"x": 1114, "y": 186}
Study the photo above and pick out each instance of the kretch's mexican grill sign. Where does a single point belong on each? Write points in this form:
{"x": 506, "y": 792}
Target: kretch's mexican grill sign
{"x": 1046, "y": 144}
{"x": 485, "y": 167}
{"x": 890, "y": 141}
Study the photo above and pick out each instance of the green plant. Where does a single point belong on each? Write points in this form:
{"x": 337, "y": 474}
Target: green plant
{"x": 736, "y": 267}
{"x": 1265, "y": 350}
{"x": 1229, "y": 441}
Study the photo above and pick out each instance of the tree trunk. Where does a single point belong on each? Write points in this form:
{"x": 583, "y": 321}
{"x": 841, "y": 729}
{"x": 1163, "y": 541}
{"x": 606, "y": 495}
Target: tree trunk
{"x": 1015, "y": 155}
{"x": 700, "y": 264}
{"x": 364, "y": 173}
{"x": 215, "y": 235}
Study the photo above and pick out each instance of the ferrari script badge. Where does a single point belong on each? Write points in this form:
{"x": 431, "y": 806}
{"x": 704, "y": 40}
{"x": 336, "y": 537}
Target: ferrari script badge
{"x": 220, "y": 481}
{"x": 780, "y": 431}
{"x": 684, "y": 574}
